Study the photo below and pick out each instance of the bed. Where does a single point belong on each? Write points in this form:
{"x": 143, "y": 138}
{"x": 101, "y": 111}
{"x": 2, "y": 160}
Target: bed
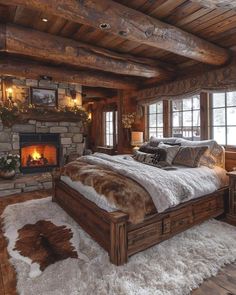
{"x": 114, "y": 229}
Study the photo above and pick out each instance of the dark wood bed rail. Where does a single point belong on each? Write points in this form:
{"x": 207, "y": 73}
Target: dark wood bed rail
{"x": 121, "y": 239}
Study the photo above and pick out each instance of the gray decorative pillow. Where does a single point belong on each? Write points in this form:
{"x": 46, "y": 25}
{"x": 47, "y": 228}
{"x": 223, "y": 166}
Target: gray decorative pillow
{"x": 189, "y": 156}
{"x": 171, "y": 151}
{"x": 157, "y": 159}
{"x": 147, "y": 148}
{"x": 212, "y": 156}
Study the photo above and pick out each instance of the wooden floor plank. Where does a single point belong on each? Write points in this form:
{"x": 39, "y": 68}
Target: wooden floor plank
{"x": 223, "y": 284}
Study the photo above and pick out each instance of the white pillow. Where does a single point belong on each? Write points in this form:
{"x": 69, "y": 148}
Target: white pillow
{"x": 171, "y": 151}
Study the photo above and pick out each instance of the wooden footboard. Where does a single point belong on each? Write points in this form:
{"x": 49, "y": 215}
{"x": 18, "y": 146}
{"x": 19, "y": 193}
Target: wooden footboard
{"x": 122, "y": 239}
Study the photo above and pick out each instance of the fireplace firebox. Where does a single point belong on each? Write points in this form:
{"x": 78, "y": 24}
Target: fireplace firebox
{"x": 39, "y": 152}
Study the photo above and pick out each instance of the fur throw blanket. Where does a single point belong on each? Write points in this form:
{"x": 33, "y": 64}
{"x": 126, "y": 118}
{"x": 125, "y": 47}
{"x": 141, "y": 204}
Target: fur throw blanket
{"x": 125, "y": 193}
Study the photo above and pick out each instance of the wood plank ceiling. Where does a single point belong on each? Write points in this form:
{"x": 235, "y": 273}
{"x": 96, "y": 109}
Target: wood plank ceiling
{"x": 217, "y": 25}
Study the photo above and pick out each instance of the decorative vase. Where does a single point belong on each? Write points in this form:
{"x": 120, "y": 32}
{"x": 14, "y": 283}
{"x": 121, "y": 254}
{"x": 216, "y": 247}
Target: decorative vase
{"x": 8, "y": 174}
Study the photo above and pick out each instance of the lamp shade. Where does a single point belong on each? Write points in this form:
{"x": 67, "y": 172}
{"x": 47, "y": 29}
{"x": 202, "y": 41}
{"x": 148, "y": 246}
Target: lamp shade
{"x": 136, "y": 138}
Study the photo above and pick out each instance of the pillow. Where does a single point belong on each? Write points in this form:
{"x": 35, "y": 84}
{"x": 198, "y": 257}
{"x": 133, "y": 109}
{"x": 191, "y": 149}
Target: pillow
{"x": 212, "y": 156}
{"x": 147, "y": 148}
{"x": 154, "y": 141}
{"x": 157, "y": 159}
{"x": 189, "y": 156}
{"x": 171, "y": 151}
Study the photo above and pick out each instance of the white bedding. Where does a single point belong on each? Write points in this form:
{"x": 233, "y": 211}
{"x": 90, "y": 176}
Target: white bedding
{"x": 166, "y": 188}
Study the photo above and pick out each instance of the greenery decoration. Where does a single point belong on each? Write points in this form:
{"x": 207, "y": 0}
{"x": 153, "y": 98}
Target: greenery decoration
{"x": 128, "y": 120}
{"x": 12, "y": 113}
{"x": 9, "y": 162}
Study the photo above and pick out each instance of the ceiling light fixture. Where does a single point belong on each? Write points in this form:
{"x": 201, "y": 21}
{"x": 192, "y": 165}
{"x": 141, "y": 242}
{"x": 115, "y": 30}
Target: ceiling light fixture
{"x": 44, "y": 20}
{"x": 104, "y": 26}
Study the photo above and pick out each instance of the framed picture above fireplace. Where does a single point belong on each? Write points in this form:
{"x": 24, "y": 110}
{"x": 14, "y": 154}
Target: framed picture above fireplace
{"x": 42, "y": 97}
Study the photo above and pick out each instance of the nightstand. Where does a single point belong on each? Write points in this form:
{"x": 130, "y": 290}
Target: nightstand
{"x": 231, "y": 216}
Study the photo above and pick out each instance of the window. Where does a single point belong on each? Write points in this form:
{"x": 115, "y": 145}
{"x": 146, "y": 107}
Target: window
{"x": 155, "y": 119}
{"x": 111, "y": 130}
{"x": 223, "y": 117}
{"x": 186, "y": 118}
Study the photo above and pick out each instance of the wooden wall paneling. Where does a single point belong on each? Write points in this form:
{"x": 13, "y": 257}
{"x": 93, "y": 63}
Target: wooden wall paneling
{"x": 166, "y": 118}
{"x": 204, "y": 115}
{"x": 120, "y": 110}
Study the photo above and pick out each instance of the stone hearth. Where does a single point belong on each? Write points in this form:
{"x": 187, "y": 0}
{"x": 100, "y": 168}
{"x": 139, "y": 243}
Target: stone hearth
{"x": 25, "y": 183}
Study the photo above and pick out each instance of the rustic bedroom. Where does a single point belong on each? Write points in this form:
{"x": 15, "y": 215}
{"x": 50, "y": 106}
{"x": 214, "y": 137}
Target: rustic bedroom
{"x": 118, "y": 147}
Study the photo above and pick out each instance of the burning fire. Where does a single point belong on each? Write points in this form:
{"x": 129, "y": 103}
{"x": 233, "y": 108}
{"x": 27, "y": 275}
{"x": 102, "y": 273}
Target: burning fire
{"x": 35, "y": 155}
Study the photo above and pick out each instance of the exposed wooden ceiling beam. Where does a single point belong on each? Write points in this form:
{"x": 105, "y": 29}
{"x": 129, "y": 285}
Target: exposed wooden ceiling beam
{"x": 94, "y": 92}
{"x": 33, "y": 70}
{"x": 131, "y": 24}
{"x": 32, "y": 43}
{"x": 225, "y": 4}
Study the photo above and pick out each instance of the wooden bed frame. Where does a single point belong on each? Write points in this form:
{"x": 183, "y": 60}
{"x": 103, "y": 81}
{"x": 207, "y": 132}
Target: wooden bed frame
{"x": 119, "y": 237}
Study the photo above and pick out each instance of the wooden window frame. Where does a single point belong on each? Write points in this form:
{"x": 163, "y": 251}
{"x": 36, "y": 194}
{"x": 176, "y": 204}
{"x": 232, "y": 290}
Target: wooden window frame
{"x": 114, "y": 130}
{"x": 211, "y": 126}
{"x": 156, "y": 114}
{"x": 182, "y": 112}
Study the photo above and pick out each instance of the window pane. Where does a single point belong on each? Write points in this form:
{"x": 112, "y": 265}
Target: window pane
{"x": 231, "y": 135}
{"x": 187, "y": 133}
{"x": 187, "y": 104}
{"x": 187, "y": 119}
{"x": 155, "y": 119}
{"x": 196, "y": 118}
{"x": 219, "y": 134}
{"x": 177, "y": 132}
{"x": 176, "y": 105}
{"x": 152, "y": 132}
{"x": 231, "y": 98}
{"x": 196, "y": 103}
{"x": 159, "y": 133}
{"x": 152, "y": 108}
{"x": 231, "y": 116}
{"x": 196, "y": 133}
{"x": 218, "y": 117}
{"x": 159, "y": 120}
{"x": 177, "y": 119}
{"x": 160, "y": 107}
{"x": 218, "y": 100}
{"x": 152, "y": 120}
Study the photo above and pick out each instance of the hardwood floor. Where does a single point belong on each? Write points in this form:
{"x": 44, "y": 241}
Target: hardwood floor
{"x": 223, "y": 284}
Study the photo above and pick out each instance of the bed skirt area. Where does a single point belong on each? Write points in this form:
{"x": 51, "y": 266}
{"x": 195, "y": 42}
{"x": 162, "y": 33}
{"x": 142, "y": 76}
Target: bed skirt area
{"x": 119, "y": 237}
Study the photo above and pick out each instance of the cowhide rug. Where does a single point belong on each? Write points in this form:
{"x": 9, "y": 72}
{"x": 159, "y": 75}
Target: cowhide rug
{"x": 45, "y": 243}
{"x": 45, "y": 267}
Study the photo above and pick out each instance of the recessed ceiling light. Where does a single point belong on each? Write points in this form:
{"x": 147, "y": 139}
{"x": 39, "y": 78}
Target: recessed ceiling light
{"x": 104, "y": 26}
{"x": 44, "y": 19}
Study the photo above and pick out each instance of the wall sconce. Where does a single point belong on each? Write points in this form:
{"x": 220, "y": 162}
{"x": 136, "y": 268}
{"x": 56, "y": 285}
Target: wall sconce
{"x": 76, "y": 98}
{"x": 90, "y": 116}
{"x": 9, "y": 92}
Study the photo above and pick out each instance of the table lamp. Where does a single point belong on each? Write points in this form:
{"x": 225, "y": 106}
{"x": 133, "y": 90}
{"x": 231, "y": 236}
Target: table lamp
{"x": 136, "y": 139}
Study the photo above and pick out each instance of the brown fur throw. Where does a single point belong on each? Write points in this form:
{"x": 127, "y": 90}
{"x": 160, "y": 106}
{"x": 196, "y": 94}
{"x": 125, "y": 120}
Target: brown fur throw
{"x": 125, "y": 193}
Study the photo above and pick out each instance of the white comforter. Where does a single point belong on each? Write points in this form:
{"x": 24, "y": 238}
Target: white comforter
{"x": 166, "y": 188}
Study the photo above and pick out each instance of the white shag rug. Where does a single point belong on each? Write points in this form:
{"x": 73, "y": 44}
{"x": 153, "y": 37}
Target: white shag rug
{"x": 174, "y": 267}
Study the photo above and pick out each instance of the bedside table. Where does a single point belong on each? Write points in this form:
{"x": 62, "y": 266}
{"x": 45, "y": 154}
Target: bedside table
{"x": 231, "y": 216}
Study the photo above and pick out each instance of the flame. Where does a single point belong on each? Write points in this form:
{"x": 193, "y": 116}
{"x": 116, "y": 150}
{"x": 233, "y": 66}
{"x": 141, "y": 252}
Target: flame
{"x": 35, "y": 155}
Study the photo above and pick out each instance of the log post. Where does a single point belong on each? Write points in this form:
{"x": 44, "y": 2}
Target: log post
{"x": 36, "y": 44}
{"x": 133, "y": 25}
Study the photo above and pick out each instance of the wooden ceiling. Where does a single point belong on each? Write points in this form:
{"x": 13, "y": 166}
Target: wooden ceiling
{"x": 212, "y": 23}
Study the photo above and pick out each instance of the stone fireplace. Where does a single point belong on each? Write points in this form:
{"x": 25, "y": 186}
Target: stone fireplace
{"x": 39, "y": 152}
{"x": 40, "y": 139}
